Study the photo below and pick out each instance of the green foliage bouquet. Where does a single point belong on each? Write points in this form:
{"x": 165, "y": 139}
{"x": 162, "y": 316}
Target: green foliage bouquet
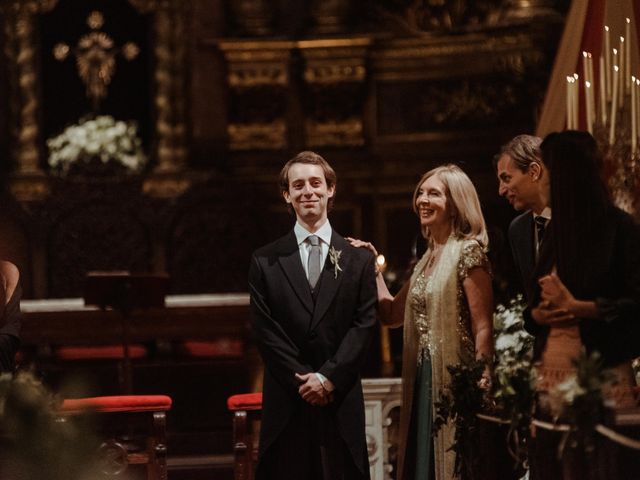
{"x": 35, "y": 444}
{"x": 460, "y": 402}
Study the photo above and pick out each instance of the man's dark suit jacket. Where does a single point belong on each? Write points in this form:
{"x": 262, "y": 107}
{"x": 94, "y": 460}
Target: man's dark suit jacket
{"x": 521, "y": 238}
{"x": 296, "y": 334}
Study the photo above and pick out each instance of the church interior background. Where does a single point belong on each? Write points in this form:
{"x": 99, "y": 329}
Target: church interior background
{"x": 215, "y": 96}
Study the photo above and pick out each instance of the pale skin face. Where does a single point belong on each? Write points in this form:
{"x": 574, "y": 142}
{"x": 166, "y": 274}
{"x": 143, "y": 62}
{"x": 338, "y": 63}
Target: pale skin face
{"x": 308, "y": 194}
{"x": 433, "y": 208}
{"x": 524, "y": 190}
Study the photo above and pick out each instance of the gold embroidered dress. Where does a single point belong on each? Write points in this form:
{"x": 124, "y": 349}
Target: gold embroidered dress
{"x": 437, "y": 333}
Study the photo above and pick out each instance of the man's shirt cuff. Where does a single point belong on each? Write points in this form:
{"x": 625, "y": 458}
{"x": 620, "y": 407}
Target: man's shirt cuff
{"x": 325, "y": 382}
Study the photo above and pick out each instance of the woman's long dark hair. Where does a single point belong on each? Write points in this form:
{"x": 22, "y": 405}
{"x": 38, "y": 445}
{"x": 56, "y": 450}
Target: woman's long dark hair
{"x": 579, "y": 202}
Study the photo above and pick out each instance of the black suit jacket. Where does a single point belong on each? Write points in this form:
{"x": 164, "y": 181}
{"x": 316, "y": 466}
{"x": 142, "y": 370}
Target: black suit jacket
{"x": 521, "y": 238}
{"x": 297, "y": 335}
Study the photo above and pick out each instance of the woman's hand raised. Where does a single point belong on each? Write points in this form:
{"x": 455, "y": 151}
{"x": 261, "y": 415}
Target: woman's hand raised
{"x": 362, "y": 244}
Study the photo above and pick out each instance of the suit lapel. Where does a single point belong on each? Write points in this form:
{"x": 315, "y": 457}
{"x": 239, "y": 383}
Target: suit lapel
{"x": 289, "y": 258}
{"x": 528, "y": 250}
{"x": 329, "y": 281}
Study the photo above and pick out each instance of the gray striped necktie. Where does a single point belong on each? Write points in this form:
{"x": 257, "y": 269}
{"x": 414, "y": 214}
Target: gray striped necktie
{"x": 315, "y": 257}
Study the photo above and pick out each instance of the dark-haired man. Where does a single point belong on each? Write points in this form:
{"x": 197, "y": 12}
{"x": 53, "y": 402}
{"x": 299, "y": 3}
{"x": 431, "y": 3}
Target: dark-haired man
{"x": 313, "y": 301}
{"x": 524, "y": 181}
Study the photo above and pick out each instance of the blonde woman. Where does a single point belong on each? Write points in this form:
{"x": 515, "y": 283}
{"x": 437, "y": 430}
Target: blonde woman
{"x": 446, "y": 309}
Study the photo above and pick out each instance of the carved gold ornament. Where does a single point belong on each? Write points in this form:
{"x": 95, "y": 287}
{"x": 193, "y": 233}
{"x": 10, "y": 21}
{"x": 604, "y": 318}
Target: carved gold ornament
{"x": 95, "y": 20}
{"x": 96, "y": 58}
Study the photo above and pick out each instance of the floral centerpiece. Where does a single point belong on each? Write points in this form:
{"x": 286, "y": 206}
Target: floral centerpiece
{"x": 514, "y": 378}
{"x": 579, "y": 400}
{"x": 97, "y": 145}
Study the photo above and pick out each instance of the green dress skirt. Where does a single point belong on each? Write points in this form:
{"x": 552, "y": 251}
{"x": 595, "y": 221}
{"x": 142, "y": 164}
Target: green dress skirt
{"x": 419, "y": 463}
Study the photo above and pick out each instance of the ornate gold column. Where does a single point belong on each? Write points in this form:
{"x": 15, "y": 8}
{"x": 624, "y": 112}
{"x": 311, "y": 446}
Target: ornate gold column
{"x": 258, "y": 79}
{"x": 29, "y": 181}
{"x": 335, "y": 68}
{"x": 169, "y": 19}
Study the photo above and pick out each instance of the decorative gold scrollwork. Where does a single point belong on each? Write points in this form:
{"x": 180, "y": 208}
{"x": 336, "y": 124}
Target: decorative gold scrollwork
{"x": 95, "y": 58}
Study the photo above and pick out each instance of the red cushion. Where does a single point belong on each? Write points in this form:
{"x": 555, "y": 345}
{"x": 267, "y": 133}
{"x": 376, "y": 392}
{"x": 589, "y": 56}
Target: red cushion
{"x": 245, "y": 401}
{"x": 99, "y": 352}
{"x": 119, "y": 403}
{"x": 220, "y": 348}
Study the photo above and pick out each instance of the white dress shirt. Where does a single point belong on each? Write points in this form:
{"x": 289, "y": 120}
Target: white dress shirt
{"x": 323, "y": 233}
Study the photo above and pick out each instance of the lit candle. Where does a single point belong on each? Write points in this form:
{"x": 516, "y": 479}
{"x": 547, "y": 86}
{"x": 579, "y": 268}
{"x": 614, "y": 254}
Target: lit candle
{"x": 607, "y": 60}
{"x": 637, "y": 86}
{"x": 614, "y": 101}
{"x": 627, "y": 51}
{"x": 569, "y": 107}
{"x": 585, "y": 73}
{"x": 592, "y": 92}
{"x": 633, "y": 116}
{"x": 603, "y": 93}
{"x": 574, "y": 99}
{"x": 587, "y": 101}
{"x": 614, "y": 59}
{"x": 623, "y": 70}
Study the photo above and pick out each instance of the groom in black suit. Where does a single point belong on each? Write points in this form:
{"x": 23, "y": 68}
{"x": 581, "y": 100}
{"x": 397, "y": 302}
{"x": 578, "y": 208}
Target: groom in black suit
{"x": 313, "y": 302}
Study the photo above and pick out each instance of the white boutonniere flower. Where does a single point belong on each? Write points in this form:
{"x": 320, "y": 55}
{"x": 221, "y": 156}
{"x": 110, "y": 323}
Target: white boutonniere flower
{"x": 334, "y": 256}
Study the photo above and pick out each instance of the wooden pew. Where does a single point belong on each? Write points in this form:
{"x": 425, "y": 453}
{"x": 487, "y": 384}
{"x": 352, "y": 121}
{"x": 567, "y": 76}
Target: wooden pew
{"x": 198, "y": 422}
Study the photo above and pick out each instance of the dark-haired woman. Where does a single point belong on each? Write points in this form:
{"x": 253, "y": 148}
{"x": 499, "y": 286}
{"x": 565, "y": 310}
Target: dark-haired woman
{"x": 588, "y": 275}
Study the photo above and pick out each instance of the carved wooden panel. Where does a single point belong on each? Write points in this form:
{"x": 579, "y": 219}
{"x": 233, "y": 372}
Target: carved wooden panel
{"x": 94, "y": 227}
{"x": 210, "y": 239}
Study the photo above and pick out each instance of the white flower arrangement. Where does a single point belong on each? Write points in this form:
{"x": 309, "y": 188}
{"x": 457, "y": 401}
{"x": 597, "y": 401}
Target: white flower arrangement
{"x": 512, "y": 342}
{"x": 514, "y": 376}
{"x": 101, "y": 139}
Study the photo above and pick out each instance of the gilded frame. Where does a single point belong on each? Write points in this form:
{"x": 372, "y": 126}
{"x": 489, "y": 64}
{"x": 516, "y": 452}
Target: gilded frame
{"x": 22, "y": 50}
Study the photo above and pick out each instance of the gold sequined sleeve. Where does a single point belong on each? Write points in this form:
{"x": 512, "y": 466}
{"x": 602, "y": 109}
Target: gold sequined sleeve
{"x": 472, "y": 256}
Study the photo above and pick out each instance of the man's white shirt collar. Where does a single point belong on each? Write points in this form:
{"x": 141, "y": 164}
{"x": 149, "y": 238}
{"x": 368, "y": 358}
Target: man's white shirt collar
{"x": 324, "y": 232}
{"x": 546, "y": 213}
